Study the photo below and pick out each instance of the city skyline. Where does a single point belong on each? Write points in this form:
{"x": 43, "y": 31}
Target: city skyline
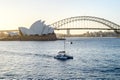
{"x": 22, "y": 13}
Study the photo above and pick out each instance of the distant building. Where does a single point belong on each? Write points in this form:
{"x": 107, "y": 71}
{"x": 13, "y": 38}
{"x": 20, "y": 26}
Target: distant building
{"x": 37, "y": 28}
{"x": 13, "y": 34}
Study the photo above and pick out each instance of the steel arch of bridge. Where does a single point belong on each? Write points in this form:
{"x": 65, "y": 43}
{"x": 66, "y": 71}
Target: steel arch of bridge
{"x": 111, "y": 25}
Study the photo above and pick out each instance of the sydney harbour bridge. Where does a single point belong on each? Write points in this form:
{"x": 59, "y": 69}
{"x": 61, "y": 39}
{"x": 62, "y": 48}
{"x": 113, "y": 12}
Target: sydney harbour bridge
{"x": 108, "y": 24}
{"x": 64, "y": 24}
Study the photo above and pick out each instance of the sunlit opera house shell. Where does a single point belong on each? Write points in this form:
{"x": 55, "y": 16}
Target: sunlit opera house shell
{"x": 37, "y": 31}
{"x": 37, "y": 28}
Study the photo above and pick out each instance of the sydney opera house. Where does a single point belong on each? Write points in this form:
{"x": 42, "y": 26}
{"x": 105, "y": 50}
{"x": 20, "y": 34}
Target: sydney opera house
{"x": 38, "y": 31}
{"x": 37, "y": 28}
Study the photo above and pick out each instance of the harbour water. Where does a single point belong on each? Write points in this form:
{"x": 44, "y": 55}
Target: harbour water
{"x": 94, "y": 59}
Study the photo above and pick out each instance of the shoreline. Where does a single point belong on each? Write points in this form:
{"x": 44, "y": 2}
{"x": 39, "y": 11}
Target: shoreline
{"x": 38, "y": 38}
{"x": 50, "y": 37}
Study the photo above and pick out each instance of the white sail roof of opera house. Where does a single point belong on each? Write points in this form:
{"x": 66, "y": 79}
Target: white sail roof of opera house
{"x": 37, "y": 28}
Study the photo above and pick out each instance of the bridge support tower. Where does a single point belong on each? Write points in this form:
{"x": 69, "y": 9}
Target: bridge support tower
{"x": 68, "y": 32}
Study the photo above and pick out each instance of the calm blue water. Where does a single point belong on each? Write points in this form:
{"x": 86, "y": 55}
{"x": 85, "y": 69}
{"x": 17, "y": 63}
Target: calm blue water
{"x": 94, "y": 59}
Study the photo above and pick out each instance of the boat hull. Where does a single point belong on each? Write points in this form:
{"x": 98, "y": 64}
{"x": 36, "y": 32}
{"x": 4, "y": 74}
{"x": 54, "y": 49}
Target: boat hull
{"x": 65, "y": 57}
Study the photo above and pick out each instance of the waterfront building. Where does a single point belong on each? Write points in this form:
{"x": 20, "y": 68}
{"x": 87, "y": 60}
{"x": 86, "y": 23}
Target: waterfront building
{"x": 37, "y": 28}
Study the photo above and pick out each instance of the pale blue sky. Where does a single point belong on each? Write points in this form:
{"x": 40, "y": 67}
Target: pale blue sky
{"x": 16, "y": 13}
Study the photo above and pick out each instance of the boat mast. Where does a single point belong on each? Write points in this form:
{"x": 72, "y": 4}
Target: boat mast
{"x": 64, "y": 43}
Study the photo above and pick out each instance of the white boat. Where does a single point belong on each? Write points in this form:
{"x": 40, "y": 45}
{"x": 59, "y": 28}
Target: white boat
{"x": 63, "y": 56}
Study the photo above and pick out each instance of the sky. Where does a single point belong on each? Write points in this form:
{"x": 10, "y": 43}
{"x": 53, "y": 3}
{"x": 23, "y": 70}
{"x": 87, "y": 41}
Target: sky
{"x": 22, "y": 13}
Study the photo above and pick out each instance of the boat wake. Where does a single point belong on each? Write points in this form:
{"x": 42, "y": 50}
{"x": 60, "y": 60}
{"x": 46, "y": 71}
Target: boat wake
{"x": 12, "y": 53}
{"x": 44, "y": 55}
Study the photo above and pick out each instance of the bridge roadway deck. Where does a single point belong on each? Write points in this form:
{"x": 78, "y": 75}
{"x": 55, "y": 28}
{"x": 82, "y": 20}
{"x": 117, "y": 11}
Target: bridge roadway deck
{"x": 67, "y": 29}
{"x": 85, "y": 29}
{"x": 9, "y": 30}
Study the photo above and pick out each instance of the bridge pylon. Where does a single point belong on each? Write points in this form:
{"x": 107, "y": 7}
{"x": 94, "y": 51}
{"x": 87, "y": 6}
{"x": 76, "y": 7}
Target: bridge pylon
{"x": 68, "y": 32}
